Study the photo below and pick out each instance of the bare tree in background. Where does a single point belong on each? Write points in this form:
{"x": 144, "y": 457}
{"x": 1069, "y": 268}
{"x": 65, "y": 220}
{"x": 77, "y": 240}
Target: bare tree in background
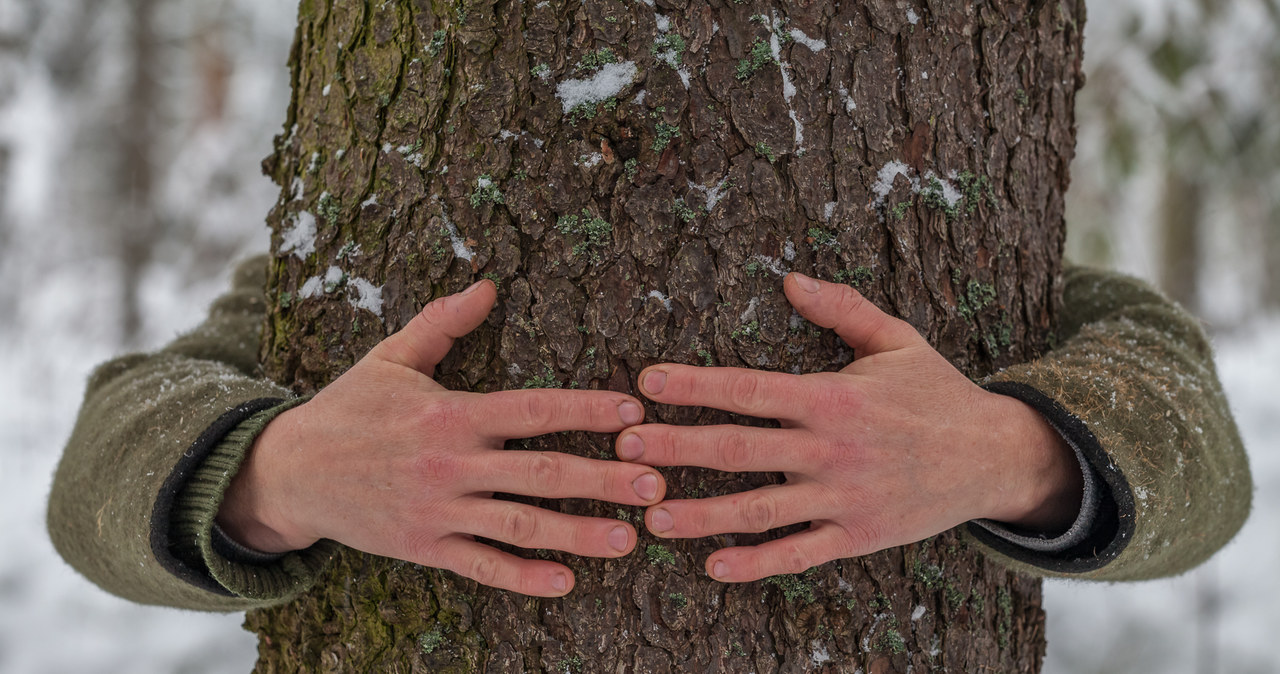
{"x": 136, "y": 221}
{"x": 1180, "y": 134}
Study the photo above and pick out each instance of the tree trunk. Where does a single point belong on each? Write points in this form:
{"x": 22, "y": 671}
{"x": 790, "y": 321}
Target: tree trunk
{"x": 647, "y": 214}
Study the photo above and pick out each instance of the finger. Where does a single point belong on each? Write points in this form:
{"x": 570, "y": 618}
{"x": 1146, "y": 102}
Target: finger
{"x": 489, "y": 566}
{"x": 526, "y": 526}
{"x": 425, "y": 341}
{"x": 751, "y": 511}
{"x": 796, "y": 553}
{"x": 736, "y": 449}
{"x": 526, "y": 413}
{"x": 559, "y": 475}
{"x": 770, "y": 395}
{"x": 861, "y": 324}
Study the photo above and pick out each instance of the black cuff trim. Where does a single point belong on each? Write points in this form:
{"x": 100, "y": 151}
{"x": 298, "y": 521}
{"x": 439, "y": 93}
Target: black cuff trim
{"x": 1113, "y": 524}
{"x": 191, "y": 571}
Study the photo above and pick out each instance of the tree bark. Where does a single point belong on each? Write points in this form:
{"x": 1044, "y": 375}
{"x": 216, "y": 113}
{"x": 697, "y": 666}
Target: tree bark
{"x": 918, "y": 153}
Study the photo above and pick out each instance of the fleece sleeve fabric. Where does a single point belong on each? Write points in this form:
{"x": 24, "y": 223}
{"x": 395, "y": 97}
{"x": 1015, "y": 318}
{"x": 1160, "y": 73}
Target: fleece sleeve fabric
{"x": 147, "y": 424}
{"x": 1133, "y": 390}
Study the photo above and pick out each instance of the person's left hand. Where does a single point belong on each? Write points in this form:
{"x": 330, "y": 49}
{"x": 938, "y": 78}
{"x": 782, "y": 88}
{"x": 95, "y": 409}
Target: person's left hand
{"x": 896, "y": 447}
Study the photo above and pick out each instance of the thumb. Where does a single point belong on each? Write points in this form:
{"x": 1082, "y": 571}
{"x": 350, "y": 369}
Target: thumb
{"x": 425, "y": 341}
{"x": 858, "y": 322}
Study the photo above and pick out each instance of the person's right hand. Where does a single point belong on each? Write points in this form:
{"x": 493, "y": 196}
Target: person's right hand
{"x": 387, "y": 461}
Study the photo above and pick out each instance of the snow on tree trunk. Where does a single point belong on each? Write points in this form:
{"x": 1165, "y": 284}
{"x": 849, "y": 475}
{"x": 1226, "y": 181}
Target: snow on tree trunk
{"x": 637, "y": 177}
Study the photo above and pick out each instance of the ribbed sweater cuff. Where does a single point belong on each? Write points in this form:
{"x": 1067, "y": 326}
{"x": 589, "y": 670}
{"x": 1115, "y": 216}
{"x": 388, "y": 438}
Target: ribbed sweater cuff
{"x": 193, "y": 529}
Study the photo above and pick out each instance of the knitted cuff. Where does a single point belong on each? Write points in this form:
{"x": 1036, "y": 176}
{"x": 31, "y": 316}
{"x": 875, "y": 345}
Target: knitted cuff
{"x": 1104, "y": 526}
{"x": 237, "y": 569}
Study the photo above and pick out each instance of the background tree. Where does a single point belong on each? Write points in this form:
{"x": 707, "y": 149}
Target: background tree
{"x": 637, "y": 178}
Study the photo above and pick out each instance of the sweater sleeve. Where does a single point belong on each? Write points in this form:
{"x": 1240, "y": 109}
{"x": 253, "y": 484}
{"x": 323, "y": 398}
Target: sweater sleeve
{"x": 1133, "y": 389}
{"x": 155, "y": 436}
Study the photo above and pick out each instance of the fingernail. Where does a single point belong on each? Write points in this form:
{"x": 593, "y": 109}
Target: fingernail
{"x": 646, "y": 486}
{"x": 559, "y": 582}
{"x": 630, "y": 447}
{"x": 719, "y": 570}
{"x": 630, "y": 413}
{"x": 661, "y": 521}
{"x": 618, "y": 539}
{"x": 655, "y": 381}
{"x": 807, "y": 284}
{"x": 472, "y": 287}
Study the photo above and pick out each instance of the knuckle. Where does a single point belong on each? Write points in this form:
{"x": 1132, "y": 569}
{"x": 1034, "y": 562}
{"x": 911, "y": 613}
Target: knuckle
{"x": 864, "y": 537}
{"x": 431, "y": 314}
{"x": 417, "y": 545}
{"x": 538, "y": 411}
{"x": 435, "y": 468}
{"x": 483, "y": 569}
{"x": 546, "y": 473}
{"x": 852, "y": 301}
{"x": 442, "y": 414}
{"x": 760, "y": 513}
{"x": 519, "y": 527}
{"x": 745, "y": 393}
{"x": 665, "y": 441}
{"x": 734, "y": 451}
{"x": 796, "y": 559}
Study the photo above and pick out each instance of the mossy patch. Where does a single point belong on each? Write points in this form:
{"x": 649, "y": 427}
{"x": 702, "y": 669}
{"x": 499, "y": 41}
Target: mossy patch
{"x": 757, "y": 57}
{"x": 794, "y": 586}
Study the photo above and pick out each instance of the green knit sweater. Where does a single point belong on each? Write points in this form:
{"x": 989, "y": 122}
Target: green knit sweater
{"x": 1132, "y": 388}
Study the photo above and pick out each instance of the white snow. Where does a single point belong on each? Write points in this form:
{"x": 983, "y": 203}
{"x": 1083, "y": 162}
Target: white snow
{"x": 589, "y": 160}
{"x": 300, "y": 239}
{"x": 368, "y": 296}
{"x": 849, "y": 104}
{"x": 819, "y": 655}
{"x": 459, "y": 245}
{"x": 712, "y": 194}
{"x": 814, "y": 44}
{"x": 773, "y": 264}
{"x": 312, "y": 287}
{"x": 658, "y": 295}
{"x": 508, "y": 135}
{"x": 605, "y": 83}
{"x": 912, "y": 17}
{"x": 788, "y": 89}
{"x": 885, "y": 177}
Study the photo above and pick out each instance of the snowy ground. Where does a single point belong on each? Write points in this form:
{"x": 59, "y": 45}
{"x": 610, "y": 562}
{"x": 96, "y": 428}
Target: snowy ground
{"x": 1218, "y": 619}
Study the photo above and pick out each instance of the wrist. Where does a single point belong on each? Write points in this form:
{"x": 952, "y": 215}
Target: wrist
{"x": 252, "y": 512}
{"x": 1044, "y": 482}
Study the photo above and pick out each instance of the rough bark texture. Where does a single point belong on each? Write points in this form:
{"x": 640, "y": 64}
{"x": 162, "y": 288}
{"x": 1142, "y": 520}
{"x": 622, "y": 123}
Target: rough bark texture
{"x": 425, "y": 134}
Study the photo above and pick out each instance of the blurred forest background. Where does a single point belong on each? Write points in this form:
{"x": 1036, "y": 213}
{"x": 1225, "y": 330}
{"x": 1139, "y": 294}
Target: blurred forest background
{"x": 130, "y": 136}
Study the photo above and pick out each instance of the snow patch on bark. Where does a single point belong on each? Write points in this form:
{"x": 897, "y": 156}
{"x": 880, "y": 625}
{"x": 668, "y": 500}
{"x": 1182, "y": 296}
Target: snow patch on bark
{"x": 606, "y": 83}
{"x": 301, "y": 238}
